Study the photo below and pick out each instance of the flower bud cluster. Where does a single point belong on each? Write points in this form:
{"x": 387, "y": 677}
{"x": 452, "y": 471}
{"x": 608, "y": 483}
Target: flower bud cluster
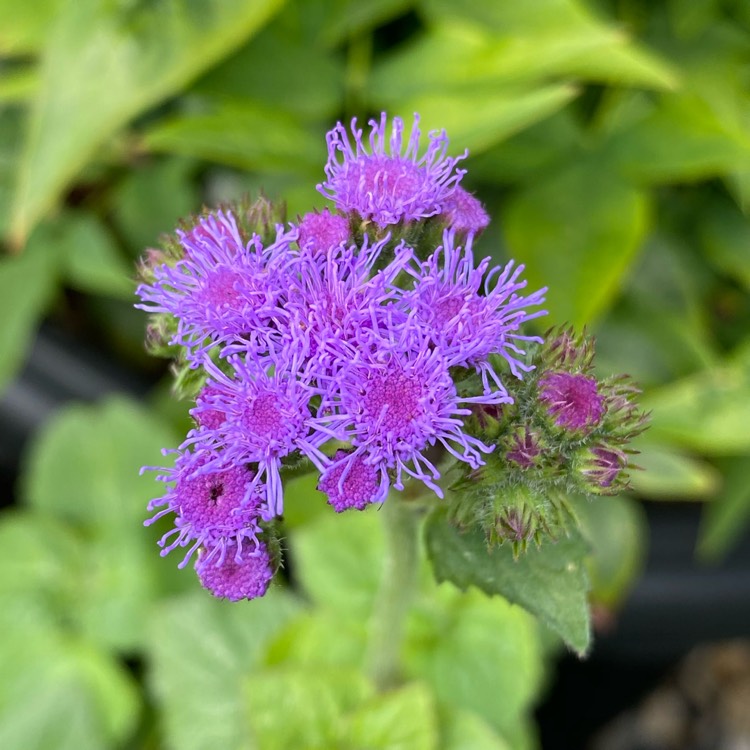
{"x": 566, "y": 432}
{"x": 334, "y": 344}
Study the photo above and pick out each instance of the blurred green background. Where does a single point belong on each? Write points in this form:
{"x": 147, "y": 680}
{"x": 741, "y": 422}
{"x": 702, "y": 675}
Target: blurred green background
{"x": 611, "y": 143}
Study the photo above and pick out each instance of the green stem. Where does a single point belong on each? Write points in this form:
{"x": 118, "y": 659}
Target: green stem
{"x": 397, "y": 587}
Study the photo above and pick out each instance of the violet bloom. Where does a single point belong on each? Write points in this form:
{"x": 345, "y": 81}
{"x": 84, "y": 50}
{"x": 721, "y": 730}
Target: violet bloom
{"x": 235, "y": 579}
{"x": 211, "y": 509}
{"x": 389, "y": 181}
{"x": 265, "y": 416}
{"x": 352, "y": 483}
{"x": 465, "y": 213}
{"x": 394, "y": 403}
{"x": 222, "y": 288}
{"x": 572, "y": 400}
{"x": 471, "y": 313}
{"x": 321, "y": 231}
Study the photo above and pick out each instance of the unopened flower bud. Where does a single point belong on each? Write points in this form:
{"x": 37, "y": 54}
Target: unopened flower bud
{"x": 572, "y": 400}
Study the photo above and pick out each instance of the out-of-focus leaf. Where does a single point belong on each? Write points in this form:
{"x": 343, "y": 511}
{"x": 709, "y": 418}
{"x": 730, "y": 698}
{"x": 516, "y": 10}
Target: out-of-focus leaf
{"x": 481, "y": 45}
{"x": 348, "y": 18}
{"x": 104, "y": 63}
{"x": 477, "y": 123}
{"x": 18, "y": 85}
{"x": 26, "y": 287}
{"x": 478, "y": 653}
{"x": 707, "y": 412}
{"x": 726, "y": 518}
{"x": 151, "y": 200}
{"x": 23, "y": 26}
{"x": 400, "y": 720}
{"x": 84, "y": 469}
{"x": 578, "y": 231}
{"x": 305, "y": 79}
{"x": 726, "y": 237}
{"x": 204, "y": 651}
{"x": 59, "y": 694}
{"x": 303, "y": 502}
{"x": 549, "y": 581}
{"x": 344, "y": 576}
{"x": 464, "y": 730}
{"x": 670, "y": 474}
{"x": 242, "y": 134}
{"x": 616, "y": 529}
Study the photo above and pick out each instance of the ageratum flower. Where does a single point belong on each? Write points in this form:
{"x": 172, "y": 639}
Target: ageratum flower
{"x": 263, "y": 413}
{"x": 394, "y": 403}
{"x": 464, "y": 213}
{"x": 572, "y": 400}
{"x": 233, "y": 578}
{"x": 320, "y": 231}
{"x": 353, "y": 483}
{"x": 212, "y": 509}
{"x": 389, "y": 181}
{"x": 222, "y": 288}
{"x": 471, "y": 313}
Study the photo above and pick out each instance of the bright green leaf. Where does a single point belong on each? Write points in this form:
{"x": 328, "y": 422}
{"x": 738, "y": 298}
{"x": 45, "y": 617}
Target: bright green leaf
{"x": 670, "y": 474}
{"x": 204, "y": 651}
{"x": 578, "y": 232}
{"x": 727, "y": 517}
{"x": 242, "y": 134}
{"x": 24, "y": 26}
{"x": 18, "y": 85}
{"x": 403, "y": 719}
{"x": 549, "y": 581}
{"x": 104, "y": 64}
{"x": 478, "y": 653}
{"x": 707, "y": 412}
{"x": 464, "y": 730}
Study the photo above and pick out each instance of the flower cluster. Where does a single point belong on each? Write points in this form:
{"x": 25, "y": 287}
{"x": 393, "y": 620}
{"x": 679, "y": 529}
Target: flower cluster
{"x": 367, "y": 344}
{"x": 318, "y": 344}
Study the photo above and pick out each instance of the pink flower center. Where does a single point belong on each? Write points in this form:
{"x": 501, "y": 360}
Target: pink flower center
{"x": 395, "y": 400}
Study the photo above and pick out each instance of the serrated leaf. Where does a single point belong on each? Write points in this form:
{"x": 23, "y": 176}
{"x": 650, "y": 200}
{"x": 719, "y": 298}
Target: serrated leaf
{"x": 203, "y": 652}
{"x": 478, "y": 653}
{"x": 582, "y": 255}
{"x": 244, "y": 134}
{"x": 104, "y": 63}
{"x": 402, "y": 719}
{"x": 707, "y": 412}
{"x": 549, "y": 581}
{"x": 726, "y": 518}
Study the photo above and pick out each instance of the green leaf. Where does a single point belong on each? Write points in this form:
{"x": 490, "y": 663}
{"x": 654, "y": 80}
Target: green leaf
{"x": 726, "y": 237}
{"x": 60, "y": 694}
{"x": 204, "y": 650}
{"x": 707, "y": 412}
{"x": 104, "y": 64}
{"x": 26, "y": 288}
{"x": 479, "y": 122}
{"x": 403, "y": 719}
{"x": 478, "y": 653}
{"x": 549, "y": 581}
{"x": 23, "y": 26}
{"x": 670, "y": 474}
{"x": 151, "y": 200}
{"x": 339, "y": 559}
{"x": 578, "y": 231}
{"x": 616, "y": 529}
{"x": 726, "y": 518}
{"x": 464, "y": 730}
{"x": 244, "y": 134}
{"x": 348, "y": 18}
{"x": 19, "y": 84}
{"x": 293, "y": 708}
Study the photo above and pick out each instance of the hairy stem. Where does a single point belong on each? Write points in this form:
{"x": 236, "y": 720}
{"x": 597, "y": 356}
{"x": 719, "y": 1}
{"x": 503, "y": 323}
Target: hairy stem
{"x": 400, "y": 570}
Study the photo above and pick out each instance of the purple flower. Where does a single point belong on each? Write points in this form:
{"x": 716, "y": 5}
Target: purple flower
{"x": 470, "y": 315}
{"x": 524, "y": 449}
{"x": 352, "y": 483}
{"x": 605, "y": 469}
{"x": 389, "y": 181}
{"x": 397, "y": 400}
{"x": 263, "y": 412}
{"x": 321, "y": 231}
{"x": 212, "y": 509}
{"x": 235, "y": 579}
{"x": 222, "y": 288}
{"x": 465, "y": 213}
{"x": 572, "y": 400}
